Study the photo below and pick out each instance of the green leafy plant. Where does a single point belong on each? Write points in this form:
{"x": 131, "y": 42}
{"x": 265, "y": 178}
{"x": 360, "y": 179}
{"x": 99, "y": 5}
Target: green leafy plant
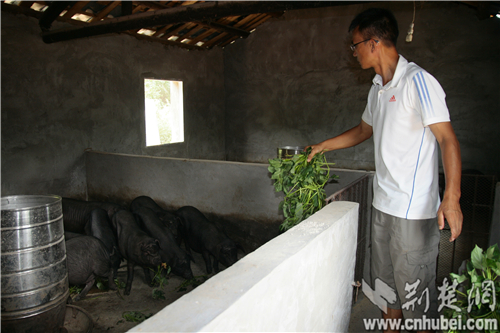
{"x": 478, "y": 289}
{"x": 74, "y": 290}
{"x": 100, "y": 284}
{"x": 303, "y": 185}
{"x": 194, "y": 282}
{"x": 135, "y": 316}
{"x": 160, "y": 279}
{"x": 119, "y": 284}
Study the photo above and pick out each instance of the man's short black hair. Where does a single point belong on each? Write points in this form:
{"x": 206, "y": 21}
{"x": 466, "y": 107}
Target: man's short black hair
{"x": 377, "y": 23}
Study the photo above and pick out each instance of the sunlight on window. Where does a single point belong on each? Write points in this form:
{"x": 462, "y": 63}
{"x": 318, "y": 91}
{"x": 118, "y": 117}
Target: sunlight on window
{"x": 164, "y": 112}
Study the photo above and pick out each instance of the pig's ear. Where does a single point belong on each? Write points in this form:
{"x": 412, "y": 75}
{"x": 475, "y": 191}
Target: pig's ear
{"x": 179, "y": 220}
{"x": 158, "y": 243}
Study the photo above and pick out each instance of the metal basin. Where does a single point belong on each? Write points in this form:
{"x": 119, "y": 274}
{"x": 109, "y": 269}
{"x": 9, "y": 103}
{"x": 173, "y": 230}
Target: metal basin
{"x": 77, "y": 320}
{"x": 289, "y": 151}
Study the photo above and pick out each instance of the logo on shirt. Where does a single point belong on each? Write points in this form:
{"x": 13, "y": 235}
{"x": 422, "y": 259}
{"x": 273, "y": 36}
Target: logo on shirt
{"x": 393, "y": 99}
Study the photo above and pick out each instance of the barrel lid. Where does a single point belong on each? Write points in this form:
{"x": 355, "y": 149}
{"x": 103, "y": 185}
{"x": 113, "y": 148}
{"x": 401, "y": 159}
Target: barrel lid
{"x": 19, "y": 211}
{"x": 24, "y": 202}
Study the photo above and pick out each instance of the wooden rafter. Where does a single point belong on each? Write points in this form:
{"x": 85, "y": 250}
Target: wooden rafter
{"x": 75, "y": 9}
{"x": 197, "y": 23}
{"x": 105, "y": 12}
{"x": 188, "y": 13}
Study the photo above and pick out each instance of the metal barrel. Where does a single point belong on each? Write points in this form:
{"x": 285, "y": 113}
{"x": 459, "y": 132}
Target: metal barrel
{"x": 34, "y": 278}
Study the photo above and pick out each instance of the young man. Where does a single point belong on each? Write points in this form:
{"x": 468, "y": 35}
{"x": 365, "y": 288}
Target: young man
{"x": 407, "y": 115}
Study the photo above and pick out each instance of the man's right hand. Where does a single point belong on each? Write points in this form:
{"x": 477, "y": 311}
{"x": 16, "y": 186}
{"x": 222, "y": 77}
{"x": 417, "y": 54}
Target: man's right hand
{"x": 315, "y": 149}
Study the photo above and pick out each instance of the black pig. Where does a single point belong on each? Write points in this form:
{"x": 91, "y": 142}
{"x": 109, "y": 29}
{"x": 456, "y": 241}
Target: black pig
{"x": 68, "y": 235}
{"x": 135, "y": 245}
{"x": 171, "y": 221}
{"x": 86, "y": 259}
{"x": 170, "y": 252}
{"x": 76, "y": 212}
{"x": 99, "y": 225}
{"x": 204, "y": 237}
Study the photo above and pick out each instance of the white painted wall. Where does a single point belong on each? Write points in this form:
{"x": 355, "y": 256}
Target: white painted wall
{"x": 299, "y": 281}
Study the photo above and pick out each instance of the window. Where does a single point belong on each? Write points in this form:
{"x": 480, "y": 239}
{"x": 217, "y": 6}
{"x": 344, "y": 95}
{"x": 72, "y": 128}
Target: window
{"x": 163, "y": 112}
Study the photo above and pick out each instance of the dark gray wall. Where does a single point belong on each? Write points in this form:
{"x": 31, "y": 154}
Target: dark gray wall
{"x": 292, "y": 82}
{"x": 295, "y": 81}
{"x": 239, "y": 197}
{"x": 60, "y": 99}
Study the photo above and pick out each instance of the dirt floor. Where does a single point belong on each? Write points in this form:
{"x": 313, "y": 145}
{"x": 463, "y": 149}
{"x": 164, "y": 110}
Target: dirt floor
{"x": 107, "y": 308}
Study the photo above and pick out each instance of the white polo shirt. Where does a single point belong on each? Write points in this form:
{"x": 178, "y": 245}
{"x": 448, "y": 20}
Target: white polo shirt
{"x": 406, "y": 182}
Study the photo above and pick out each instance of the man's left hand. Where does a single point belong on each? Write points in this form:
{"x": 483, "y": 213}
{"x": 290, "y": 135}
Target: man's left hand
{"x": 450, "y": 211}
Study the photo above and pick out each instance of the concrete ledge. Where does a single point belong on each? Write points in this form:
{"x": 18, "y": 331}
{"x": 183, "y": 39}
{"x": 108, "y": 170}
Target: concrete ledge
{"x": 299, "y": 281}
{"x": 243, "y": 190}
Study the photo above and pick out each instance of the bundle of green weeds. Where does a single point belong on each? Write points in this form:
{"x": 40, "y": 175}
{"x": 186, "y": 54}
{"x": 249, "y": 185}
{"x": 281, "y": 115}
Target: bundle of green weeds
{"x": 303, "y": 185}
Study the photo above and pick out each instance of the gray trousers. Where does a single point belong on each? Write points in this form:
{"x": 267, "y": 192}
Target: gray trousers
{"x": 403, "y": 256}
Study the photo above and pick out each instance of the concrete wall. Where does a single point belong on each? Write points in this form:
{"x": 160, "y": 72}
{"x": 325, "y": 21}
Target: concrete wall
{"x": 316, "y": 259}
{"x": 60, "y": 99}
{"x": 240, "y": 197}
{"x": 291, "y": 82}
{"x": 295, "y": 82}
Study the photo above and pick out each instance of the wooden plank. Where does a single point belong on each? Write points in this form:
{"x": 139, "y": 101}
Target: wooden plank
{"x": 214, "y": 41}
{"x": 138, "y": 9}
{"x": 77, "y": 8}
{"x": 224, "y": 28}
{"x": 250, "y": 23}
{"x": 175, "y": 32}
{"x": 227, "y": 29}
{"x": 223, "y": 37}
{"x": 249, "y": 20}
{"x": 251, "y": 26}
{"x": 202, "y": 36}
{"x": 194, "y": 31}
{"x": 203, "y": 11}
{"x": 105, "y": 11}
{"x": 161, "y": 31}
{"x": 166, "y": 41}
{"x": 20, "y": 10}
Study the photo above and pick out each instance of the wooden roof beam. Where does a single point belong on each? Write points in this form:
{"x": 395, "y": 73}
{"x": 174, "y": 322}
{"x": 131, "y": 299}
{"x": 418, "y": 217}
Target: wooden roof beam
{"x": 75, "y": 9}
{"x": 225, "y": 28}
{"x": 204, "y": 12}
{"x": 104, "y": 12}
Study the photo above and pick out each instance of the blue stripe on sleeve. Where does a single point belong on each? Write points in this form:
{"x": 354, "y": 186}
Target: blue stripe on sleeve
{"x": 418, "y": 90}
{"x": 427, "y": 94}
{"x": 423, "y": 94}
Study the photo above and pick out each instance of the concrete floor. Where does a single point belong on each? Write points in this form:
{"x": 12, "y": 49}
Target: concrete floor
{"x": 362, "y": 309}
{"x": 107, "y": 308}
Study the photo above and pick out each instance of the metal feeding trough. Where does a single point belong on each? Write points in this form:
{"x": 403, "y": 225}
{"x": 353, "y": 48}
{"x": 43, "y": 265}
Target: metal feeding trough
{"x": 77, "y": 320}
{"x": 289, "y": 151}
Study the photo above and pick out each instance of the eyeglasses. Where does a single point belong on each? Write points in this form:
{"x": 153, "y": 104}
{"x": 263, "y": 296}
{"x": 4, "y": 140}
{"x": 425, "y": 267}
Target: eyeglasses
{"x": 353, "y": 46}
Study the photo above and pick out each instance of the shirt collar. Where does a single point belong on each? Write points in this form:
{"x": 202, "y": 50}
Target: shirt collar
{"x": 398, "y": 74}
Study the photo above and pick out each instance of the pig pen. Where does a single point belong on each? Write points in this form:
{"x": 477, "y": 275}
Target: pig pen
{"x": 239, "y": 197}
